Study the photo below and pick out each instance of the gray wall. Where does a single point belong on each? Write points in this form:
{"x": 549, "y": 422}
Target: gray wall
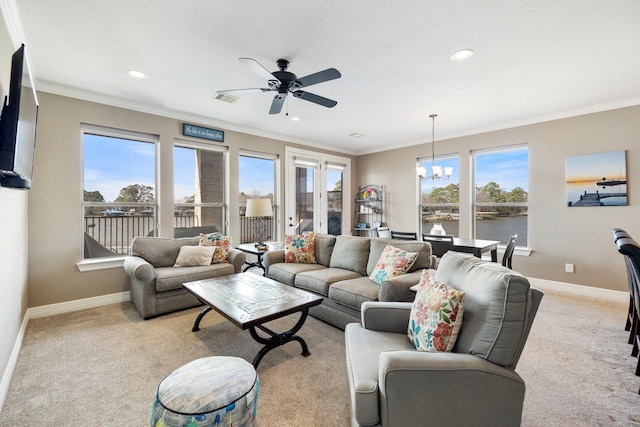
{"x": 55, "y": 216}
{"x": 557, "y": 234}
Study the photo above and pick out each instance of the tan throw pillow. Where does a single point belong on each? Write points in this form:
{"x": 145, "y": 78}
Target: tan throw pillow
{"x": 223, "y": 243}
{"x": 436, "y": 315}
{"x": 299, "y": 248}
{"x": 392, "y": 262}
{"x": 194, "y": 255}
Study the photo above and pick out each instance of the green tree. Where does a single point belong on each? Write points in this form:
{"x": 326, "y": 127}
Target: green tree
{"x": 517, "y": 195}
{"x": 93, "y": 196}
{"x": 136, "y": 193}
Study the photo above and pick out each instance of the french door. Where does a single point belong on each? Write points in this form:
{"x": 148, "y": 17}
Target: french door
{"x": 317, "y": 196}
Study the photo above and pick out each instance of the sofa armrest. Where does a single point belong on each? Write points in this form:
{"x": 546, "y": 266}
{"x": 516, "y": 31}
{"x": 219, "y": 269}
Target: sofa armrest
{"x": 385, "y": 316}
{"x": 139, "y": 269}
{"x": 398, "y": 288}
{"x": 272, "y": 257}
{"x": 237, "y": 258}
{"x": 422, "y": 383}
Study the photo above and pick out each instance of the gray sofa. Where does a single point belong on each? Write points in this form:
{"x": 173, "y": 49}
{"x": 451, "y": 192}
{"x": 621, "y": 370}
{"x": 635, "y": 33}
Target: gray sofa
{"x": 341, "y": 275}
{"x": 393, "y": 384}
{"x": 156, "y": 286}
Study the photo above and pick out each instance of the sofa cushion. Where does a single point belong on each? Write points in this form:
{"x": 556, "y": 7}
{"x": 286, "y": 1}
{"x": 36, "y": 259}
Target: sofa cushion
{"x": 422, "y": 248}
{"x": 223, "y": 243}
{"x": 285, "y": 272}
{"x": 318, "y": 281}
{"x": 159, "y": 251}
{"x": 353, "y": 292}
{"x": 497, "y": 303}
{"x": 194, "y": 255}
{"x": 436, "y": 315}
{"x": 324, "y": 244}
{"x": 393, "y": 262}
{"x": 299, "y": 248}
{"x": 168, "y": 278}
{"x": 351, "y": 253}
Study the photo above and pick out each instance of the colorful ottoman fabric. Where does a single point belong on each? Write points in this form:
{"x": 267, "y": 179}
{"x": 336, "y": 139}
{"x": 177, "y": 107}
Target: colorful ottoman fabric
{"x": 212, "y": 391}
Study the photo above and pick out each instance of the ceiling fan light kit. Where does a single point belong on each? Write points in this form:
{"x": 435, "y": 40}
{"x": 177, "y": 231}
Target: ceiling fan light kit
{"x": 286, "y": 82}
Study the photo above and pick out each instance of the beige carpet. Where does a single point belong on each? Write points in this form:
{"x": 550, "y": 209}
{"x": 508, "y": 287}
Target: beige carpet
{"x": 102, "y": 367}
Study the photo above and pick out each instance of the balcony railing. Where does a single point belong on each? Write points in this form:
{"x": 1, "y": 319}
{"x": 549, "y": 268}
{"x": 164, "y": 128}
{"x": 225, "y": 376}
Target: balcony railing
{"x": 111, "y": 235}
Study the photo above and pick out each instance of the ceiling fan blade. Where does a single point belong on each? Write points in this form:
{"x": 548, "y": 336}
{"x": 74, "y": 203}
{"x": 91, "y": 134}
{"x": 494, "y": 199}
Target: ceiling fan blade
{"x": 319, "y": 77}
{"x": 278, "y": 101}
{"x": 241, "y": 91}
{"x": 257, "y": 68}
{"x": 317, "y": 99}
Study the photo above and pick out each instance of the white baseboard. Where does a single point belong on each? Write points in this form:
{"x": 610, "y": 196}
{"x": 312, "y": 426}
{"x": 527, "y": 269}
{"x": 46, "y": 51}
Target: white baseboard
{"x": 80, "y": 304}
{"x": 13, "y": 359}
{"x": 581, "y": 290}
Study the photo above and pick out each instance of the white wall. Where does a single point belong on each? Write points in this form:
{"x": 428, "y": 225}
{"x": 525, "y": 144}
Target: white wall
{"x": 13, "y": 237}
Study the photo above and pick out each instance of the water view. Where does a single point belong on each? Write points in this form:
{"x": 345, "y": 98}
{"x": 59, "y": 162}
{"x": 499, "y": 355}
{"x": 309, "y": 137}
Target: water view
{"x": 500, "y": 228}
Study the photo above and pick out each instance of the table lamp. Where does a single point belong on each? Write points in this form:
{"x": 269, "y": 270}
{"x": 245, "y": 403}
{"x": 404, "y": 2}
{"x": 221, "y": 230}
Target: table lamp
{"x": 259, "y": 209}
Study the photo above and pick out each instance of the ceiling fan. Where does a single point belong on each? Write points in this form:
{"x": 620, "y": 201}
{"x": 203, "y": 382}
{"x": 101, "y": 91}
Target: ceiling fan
{"x": 285, "y": 82}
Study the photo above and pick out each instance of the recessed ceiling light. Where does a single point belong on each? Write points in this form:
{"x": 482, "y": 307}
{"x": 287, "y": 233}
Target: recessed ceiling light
{"x": 296, "y": 119}
{"x": 461, "y": 55}
{"x": 137, "y": 74}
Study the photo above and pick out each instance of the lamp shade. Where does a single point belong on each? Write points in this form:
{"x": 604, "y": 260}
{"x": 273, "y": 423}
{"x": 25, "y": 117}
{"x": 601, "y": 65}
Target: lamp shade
{"x": 259, "y": 208}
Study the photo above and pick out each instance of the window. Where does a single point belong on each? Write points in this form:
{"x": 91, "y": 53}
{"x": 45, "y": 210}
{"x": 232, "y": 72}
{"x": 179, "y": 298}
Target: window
{"x": 334, "y": 172}
{"x": 257, "y": 180}
{"x": 440, "y": 199}
{"x": 501, "y": 194}
{"x": 119, "y": 186}
{"x": 198, "y": 189}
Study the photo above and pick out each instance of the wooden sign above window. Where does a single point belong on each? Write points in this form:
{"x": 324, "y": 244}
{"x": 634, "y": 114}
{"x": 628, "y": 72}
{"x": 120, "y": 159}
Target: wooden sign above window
{"x": 202, "y": 132}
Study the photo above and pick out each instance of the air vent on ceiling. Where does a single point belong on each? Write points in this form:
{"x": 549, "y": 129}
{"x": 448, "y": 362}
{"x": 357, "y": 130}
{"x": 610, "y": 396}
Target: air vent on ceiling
{"x": 227, "y": 98}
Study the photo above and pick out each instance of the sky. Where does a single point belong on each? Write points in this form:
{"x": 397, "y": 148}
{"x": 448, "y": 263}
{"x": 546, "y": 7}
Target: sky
{"x": 507, "y": 168}
{"x": 594, "y": 167}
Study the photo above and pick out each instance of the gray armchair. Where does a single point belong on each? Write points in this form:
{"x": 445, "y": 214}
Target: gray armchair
{"x": 393, "y": 384}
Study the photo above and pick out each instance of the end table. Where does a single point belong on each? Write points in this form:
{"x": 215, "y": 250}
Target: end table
{"x": 250, "y": 248}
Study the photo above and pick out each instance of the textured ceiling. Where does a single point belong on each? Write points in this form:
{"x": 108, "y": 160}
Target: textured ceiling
{"x": 534, "y": 61}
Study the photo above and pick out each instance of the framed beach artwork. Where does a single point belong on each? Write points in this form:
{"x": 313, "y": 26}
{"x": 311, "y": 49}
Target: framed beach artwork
{"x": 597, "y": 179}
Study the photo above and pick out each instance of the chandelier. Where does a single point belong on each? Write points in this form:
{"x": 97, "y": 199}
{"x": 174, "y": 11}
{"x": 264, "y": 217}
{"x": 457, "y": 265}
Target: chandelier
{"x": 437, "y": 172}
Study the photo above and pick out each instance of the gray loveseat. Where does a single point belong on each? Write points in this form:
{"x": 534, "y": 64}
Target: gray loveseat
{"x": 156, "y": 286}
{"x": 341, "y": 275}
{"x": 393, "y": 384}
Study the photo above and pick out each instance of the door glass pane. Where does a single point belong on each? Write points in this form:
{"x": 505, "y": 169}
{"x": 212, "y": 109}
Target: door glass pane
{"x": 304, "y": 199}
{"x": 334, "y": 202}
{"x": 256, "y": 181}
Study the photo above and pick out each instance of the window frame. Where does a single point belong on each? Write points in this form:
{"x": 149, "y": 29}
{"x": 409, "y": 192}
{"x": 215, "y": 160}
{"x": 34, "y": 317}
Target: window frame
{"x": 275, "y": 203}
{"x": 90, "y": 264}
{"x": 421, "y": 206}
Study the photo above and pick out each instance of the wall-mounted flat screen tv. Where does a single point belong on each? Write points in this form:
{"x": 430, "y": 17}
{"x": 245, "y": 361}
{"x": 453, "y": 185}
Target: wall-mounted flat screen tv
{"x": 18, "y": 124}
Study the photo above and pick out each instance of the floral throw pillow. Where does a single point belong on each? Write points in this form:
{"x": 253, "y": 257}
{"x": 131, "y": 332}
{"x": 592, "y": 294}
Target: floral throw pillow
{"x": 222, "y": 243}
{"x": 436, "y": 315}
{"x": 299, "y": 248}
{"x": 392, "y": 262}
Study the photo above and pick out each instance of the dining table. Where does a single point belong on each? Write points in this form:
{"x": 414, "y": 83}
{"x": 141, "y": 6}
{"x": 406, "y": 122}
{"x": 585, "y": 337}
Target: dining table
{"x": 477, "y": 247}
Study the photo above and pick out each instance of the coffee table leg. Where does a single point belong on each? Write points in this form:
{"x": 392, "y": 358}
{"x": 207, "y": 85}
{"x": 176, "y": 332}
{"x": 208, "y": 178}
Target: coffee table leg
{"x": 278, "y": 339}
{"x": 196, "y": 325}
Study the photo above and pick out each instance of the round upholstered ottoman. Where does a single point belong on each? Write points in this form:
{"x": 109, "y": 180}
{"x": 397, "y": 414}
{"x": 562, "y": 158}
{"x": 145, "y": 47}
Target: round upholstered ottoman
{"x": 212, "y": 391}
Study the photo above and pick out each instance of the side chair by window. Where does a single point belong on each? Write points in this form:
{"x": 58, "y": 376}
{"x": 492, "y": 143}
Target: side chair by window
{"x": 508, "y": 252}
{"x": 404, "y": 235}
{"x": 439, "y": 244}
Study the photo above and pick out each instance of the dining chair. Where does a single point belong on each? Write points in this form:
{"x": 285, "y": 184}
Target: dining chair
{"x": 440, "y": 244}
{"x": 384, "y": 232}
{"x": 631, "y": 251}
{"x": 618, "y": 234}
{"x": 404, "y": 235}
{"x": 508, "y": 252}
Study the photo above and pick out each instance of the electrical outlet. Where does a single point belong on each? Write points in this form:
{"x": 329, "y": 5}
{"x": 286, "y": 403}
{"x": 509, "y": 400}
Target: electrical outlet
{"x": 569, "y": 268}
